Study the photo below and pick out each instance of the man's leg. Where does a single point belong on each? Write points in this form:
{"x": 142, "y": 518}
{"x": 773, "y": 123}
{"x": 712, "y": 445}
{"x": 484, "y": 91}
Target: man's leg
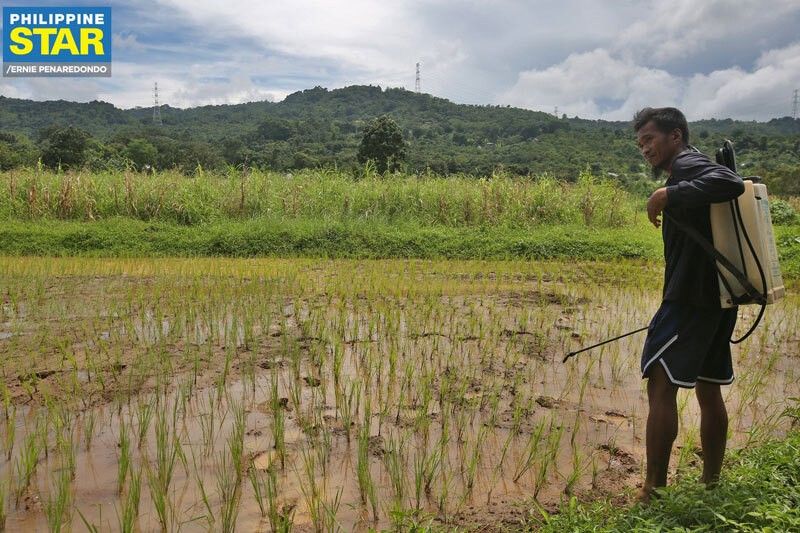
{"x": 713, "y": 429}
{"x": 662, "y": 428}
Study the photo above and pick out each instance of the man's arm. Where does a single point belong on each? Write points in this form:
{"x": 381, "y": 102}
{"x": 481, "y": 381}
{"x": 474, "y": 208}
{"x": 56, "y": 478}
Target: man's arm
{"x": 656, "y": 204}
{"x": 703, "y": 182}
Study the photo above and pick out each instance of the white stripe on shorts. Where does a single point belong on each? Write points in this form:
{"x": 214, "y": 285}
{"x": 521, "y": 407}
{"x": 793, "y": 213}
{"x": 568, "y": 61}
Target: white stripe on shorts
{"x": 673, "y": 339}
{"x": 675, "y": 381}
{"x": 720, "y": 381}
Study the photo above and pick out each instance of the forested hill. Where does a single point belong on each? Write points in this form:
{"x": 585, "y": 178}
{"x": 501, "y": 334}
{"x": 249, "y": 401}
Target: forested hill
{"x": 320, "y": 127}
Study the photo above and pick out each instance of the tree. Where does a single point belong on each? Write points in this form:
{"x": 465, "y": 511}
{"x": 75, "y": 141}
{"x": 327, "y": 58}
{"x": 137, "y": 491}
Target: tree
{"x": 64, "y": 147}
{"x": 15, "y": 151}
{"x": 141, "y": 153}
{"x": 274, "y": 129}
{"x": 382, "y": 143}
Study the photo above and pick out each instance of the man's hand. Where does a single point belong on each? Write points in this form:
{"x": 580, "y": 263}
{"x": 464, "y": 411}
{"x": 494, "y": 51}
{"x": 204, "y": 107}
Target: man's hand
{"x": 656, "y": 204}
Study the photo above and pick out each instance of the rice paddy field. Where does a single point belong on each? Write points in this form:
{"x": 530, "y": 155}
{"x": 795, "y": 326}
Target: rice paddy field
{"x": 258, "y": 394}
{"x": 258, "y": 351}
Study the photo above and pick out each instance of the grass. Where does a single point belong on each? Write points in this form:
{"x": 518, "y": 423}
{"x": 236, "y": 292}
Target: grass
{"x": 124, "y": 237}
{"x": 759, "y": 491}
{"x": 328, "y": 214}
{"x": 502, "y": 200}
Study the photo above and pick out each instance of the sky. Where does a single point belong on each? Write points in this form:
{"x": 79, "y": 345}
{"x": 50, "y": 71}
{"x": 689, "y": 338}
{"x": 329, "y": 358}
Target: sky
{"x": 598, "y": 59}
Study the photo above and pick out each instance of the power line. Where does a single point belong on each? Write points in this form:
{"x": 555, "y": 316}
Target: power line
{"x": 156, "y": 106}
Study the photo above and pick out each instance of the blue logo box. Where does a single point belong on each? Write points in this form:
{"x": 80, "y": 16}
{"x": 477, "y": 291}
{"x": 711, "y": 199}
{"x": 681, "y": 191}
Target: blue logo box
{"x": 57, "y": 41}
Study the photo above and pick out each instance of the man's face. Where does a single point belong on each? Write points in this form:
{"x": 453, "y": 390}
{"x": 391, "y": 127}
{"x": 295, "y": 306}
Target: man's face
{"x": 657, "y": 147}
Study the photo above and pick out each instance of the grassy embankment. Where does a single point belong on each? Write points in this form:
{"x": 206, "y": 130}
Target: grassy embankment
{"x": 759, "y": 491}
{"x": 328, "y": 214}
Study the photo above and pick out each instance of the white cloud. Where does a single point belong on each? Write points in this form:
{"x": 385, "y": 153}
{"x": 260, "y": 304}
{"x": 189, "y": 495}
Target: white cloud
{"x": 582, "y": 81}
{"x": 735, "y": 93}
{"x": 237, "y": 89}
{"x": 593, "y": 58}
{"x": 126, "y": 41}
{"x": 676, "y": 29}
{"x": 357, "y": 35}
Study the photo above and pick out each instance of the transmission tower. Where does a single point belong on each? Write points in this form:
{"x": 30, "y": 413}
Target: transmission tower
{"x": 417, "y": 83}
{"x": 795, "y": 102}
{"x": 555, "y": 112}
{"x": 156, "y": 107}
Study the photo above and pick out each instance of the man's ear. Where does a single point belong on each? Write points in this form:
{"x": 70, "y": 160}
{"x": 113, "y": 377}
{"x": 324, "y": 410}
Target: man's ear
{"x": 676, "y": 136}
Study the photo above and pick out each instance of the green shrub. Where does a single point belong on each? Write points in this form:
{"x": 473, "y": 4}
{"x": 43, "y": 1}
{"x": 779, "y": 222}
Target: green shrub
{"x": 782, "y": 211}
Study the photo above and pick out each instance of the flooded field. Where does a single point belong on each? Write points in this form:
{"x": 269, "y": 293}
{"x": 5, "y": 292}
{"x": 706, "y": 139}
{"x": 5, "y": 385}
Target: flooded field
{"x": 314, "y": 395}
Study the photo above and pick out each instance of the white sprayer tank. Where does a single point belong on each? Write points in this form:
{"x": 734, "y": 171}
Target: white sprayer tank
{"x": 730, "y": 241}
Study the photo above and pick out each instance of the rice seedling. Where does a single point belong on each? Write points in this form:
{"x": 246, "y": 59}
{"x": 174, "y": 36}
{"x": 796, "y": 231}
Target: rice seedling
{"x": 324, "y": 447}
{"x": 329, "y": 521}
{"x": 425, "y": 468}
{"x": 349, "y": 399}
{"x": 159, "y": 477}
{"x": 160, "y": 499}
{"x": 280, "y": 519}
{"x": 311, "y": 489}
{"x": 124, "y": 461}
{"x": 470, "y": 467}
{"x": 59, "y": 501}
{"x": 278, "y": 421}
{"x": 201, "y": 489}
{"x": 366, "y": 485}
{"x": 258, "y": 482}
{"x": 394, "y": 461}
{"x": 67, "y": 450}
{"x": 27, "y": 461}
{"x": 548, "y": 457}
{"x": 3, "y": 503}
{"x": 236, "y": 440}
{"x": 130, "y": 508}
{"x": 10, "y": 431}
{"x": 144, "y": 414}
{"x": 498, "y": 469}
{"x": 89, "y": 420}
{"x": 531, "y": 453}
{"x": 9, "y": 409}
{"x": 207, "y": 424}
{"x": 575, "y": 472}
{"x": 229, "y": 489}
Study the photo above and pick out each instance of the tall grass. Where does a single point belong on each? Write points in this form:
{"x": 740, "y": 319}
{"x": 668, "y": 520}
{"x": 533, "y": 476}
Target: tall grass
{"x": 500, "y": 200}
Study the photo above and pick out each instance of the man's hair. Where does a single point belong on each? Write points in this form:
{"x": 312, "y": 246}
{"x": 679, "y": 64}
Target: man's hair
{"x": 666, "y": 119}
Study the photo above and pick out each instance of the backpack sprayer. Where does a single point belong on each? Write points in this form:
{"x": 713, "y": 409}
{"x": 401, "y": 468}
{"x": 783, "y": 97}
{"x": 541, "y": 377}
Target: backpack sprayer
{"x": 740, "y": 260}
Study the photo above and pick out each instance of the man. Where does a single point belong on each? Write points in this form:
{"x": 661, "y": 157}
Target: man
{"x": 688, "y": 338}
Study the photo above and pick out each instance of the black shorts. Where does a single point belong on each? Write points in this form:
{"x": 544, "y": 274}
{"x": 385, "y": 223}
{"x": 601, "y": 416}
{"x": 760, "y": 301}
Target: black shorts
{"x": 691, "y": 343}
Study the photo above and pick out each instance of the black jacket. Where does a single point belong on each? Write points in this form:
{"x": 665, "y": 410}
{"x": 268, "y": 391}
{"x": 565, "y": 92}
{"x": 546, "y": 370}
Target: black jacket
{"x": 690, "y": 275}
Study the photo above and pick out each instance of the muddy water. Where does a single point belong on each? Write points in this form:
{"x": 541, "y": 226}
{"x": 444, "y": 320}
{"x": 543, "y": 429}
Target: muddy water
{"x": 471, "y": 379}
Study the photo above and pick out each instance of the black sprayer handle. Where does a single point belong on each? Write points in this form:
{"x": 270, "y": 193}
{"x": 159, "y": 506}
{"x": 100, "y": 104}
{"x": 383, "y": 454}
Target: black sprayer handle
{"x": 570, "y": 354}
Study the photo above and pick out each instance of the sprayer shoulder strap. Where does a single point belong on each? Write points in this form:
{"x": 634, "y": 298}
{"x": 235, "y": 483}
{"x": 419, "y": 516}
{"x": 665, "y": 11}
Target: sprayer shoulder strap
{"x": 752, "y": 292}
